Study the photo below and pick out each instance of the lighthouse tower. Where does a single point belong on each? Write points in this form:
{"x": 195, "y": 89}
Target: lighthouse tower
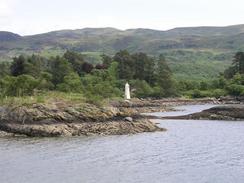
{"x": 127, "y": 91}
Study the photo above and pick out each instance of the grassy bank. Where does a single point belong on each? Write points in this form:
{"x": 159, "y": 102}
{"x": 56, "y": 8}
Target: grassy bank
{"x": 45, "y": 97}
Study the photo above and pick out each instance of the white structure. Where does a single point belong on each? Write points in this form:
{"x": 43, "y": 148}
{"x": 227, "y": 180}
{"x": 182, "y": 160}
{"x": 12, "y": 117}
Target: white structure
{"x": 127, "y": 91}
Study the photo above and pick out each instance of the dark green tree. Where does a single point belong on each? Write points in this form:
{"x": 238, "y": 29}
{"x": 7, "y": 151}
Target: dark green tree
{"x": 60, "y": 68}
{"x": 87, "y": 68}
{"x": 164, "y": 78}
{"x": 76, "y": 61}
{"x": 31, "y": 65}
{"x": 140, "y": 60}
{"x": 125, "y": 66}
{"x": 237, "y": 65}
{"x": 144, "y": 67}
{"x": 18, "y": 66}
{"x": 35, "y": 65}
{"x": 107, "y": 60}
{"x": 238, "y": 62}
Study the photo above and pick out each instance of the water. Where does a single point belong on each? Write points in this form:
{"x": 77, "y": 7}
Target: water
{"x": 183, "y": 110}
{"x": 189, "y": 152}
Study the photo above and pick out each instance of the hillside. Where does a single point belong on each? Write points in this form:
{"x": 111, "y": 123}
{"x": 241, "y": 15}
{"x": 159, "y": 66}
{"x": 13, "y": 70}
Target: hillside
{"x": 9, "y": 36}
{"x": 183, "y": 47}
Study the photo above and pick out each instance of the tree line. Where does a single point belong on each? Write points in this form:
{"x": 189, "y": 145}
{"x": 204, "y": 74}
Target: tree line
{"x": 148, "y": 76}
{"x": 30, "y": 75}
{"x": 230, "y": 82}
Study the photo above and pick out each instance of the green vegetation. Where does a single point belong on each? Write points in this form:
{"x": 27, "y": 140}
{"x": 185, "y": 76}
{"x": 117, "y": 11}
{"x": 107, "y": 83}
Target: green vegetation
{"x": 231, "y": 82}
{"x": 72, "y": 74}
{"x": 44, "y": 97}
{"x": 198, "y": 53}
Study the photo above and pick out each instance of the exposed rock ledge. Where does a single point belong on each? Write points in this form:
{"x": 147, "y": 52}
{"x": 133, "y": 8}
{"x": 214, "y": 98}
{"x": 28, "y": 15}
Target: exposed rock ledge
{"x": 62, "y": 119}
{"x": 230, "y": 113}
{"x": 6, "y": 134}
{"x": 78, "y": 129}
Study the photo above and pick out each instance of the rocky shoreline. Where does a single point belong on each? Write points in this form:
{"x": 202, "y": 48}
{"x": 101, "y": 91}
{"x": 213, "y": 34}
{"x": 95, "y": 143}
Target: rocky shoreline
{"x": 79, "y": 129}
{"x": 63, "y": 119}
{"x": 229, "y": 113}
{"x": 161, "y": 105}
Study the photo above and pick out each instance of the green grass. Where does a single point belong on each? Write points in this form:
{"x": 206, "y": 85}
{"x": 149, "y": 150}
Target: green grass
{"x": 93, "y": 57}
{"x": 48, "y": 52}
{"x": 45, "y": 97}
{"x": 51, "y": 97}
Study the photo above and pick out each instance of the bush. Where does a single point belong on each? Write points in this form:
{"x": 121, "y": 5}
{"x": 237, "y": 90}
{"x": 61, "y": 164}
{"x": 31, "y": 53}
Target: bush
{"x": 235, "y": 89}
{"x": 196, "y": 94}
{"x": 100, "y": 83}
{"x": 18, "y": 86}
{"x": 72, "y": 83}
{"x": 142, "y": 89}
{"x": 158, "y": 92}
{"x": 45, "y": 81}
{"x": 186, "y": 85}
{"x": 206, "y": 93}
{"x": 218, "y": 93}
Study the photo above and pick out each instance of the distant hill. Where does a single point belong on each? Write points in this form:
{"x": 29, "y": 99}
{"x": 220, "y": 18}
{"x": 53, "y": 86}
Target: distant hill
{"x": 9, "y": 36}
{"x": 181, "y": 46}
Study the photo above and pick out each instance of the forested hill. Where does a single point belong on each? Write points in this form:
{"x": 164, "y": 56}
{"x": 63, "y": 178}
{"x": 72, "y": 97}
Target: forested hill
{"x": 189, "y": 47}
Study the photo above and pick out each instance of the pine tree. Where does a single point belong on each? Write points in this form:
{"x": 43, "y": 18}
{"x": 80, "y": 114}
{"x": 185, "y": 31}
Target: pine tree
{"x": 126, "y": 65}
{"x": 164, "y": 77}
{"x": 59, "y": 69}
{"x": 18, "y": 66}
{"x": 76, "y": 60}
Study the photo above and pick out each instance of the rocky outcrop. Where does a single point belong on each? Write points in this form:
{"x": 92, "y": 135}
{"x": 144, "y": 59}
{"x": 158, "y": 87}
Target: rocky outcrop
{"x": 62, "y": 119}
{"x": 83, "y": 128}
{"x": 160, "y": 105}
{"x": 59, "y": 118}
{"x": 230, "y": 113}
{"x": 6, "y": 134}
{"x": 231, "y": 100}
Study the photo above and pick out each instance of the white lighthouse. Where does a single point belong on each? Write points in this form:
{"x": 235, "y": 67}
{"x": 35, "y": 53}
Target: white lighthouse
{"x": 127, "y": 91}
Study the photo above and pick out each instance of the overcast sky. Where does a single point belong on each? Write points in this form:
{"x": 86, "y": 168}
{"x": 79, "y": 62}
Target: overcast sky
{"x": 37, "y": 16}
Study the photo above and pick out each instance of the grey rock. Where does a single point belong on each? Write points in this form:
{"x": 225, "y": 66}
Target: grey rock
{"x": 129, "y": 119}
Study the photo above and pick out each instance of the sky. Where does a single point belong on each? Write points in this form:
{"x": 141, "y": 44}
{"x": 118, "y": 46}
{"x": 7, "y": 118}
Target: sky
{"x": 27, "y": 17}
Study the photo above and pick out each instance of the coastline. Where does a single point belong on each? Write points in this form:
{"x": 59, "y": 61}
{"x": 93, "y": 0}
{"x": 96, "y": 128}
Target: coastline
{"x": 224, "y": 113}
{"x": 68, "y": 119}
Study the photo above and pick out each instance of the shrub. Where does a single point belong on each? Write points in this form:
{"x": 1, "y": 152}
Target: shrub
{"x": 72, "y": 83}
{"x": 218, "y": 93}
{"x": 18, "y": 86}
{"x": 235, "y": 89}
{"x": 142, "y": 89}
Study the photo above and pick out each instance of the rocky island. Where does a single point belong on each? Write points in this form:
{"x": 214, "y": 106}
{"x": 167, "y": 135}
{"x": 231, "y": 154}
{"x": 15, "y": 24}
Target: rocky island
{"x": 225, "y": 112}
{"x": 63, "y": 119}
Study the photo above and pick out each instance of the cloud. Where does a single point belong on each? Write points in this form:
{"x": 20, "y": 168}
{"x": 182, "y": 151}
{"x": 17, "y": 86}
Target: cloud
{"x": 5, "y": 8}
